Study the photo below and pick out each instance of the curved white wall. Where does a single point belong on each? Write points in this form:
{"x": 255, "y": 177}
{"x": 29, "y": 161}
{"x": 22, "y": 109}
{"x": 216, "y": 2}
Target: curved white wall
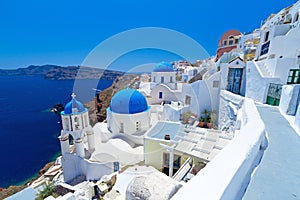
{"x": 129, "y": 121}
{"x": 227, "y": 176}
{"x": 169, "y": 78}
{"x": 167, "y": 94}
{"x": 74, "y": 166}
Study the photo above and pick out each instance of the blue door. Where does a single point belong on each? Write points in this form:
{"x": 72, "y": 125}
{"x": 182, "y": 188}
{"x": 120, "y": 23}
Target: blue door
{"x": 160, "y": 95}
{"x": 235, "y": 76}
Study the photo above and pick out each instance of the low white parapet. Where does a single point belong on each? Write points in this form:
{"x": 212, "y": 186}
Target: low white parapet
{"x": 227, "y": 176}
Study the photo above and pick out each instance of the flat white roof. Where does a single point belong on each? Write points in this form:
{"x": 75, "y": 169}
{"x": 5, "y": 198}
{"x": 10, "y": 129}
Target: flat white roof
{"x": 201, "y": 143}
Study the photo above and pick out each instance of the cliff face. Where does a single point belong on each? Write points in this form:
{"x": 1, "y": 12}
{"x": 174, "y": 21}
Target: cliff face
{"x": 54, "y": 72}
{"x": 97, "y": 107}
{"x": 30, "y": 70}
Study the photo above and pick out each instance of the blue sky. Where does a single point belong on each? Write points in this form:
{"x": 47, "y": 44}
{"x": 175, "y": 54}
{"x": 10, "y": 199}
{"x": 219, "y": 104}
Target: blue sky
{"x": 64, "y": 32}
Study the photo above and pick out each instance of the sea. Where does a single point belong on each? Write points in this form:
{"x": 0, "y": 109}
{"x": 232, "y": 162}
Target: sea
{"x": 28, "y": 130}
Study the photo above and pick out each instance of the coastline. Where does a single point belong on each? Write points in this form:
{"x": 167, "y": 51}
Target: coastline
{"x": 6, "y": 192}
{"x": 105, "y": 97}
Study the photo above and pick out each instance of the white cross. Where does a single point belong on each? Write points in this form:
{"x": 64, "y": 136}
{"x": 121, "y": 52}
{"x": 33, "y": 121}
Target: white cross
{"x": 73, "y": 95}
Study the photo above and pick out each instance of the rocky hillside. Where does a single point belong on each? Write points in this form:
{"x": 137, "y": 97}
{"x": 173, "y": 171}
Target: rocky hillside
{"x": 103, "y": 98}
{"x": 54, "y": 72}
{"x": 30, "y": 70}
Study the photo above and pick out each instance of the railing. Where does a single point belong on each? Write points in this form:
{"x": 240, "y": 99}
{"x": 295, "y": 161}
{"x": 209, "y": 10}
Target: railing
{"x": 184, "y": 170}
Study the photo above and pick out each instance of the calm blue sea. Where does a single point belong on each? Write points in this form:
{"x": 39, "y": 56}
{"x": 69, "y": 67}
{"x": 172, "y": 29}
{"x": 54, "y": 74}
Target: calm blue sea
{"x": 28, "y": 132}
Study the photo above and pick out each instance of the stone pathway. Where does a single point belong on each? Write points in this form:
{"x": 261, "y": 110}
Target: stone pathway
{"x": 278, "y": 174}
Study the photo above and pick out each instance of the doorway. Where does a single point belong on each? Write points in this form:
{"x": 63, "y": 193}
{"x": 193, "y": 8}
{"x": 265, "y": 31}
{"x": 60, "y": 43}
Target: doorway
{"x": 235, "y": 76}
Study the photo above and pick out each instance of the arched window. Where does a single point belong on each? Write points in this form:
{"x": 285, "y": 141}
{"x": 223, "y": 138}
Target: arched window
{"x": 76, "y": 123}
{"x": 296, "y": 17}
{"x": 121, "y": 130}
{"x": 71, "y": 139}
{"x": 66, "y": 124}
{"x": 85, "y": 120}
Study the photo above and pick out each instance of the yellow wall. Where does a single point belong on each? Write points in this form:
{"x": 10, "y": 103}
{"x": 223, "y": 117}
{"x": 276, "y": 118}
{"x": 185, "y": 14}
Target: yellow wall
{"x": 154, "y": 154}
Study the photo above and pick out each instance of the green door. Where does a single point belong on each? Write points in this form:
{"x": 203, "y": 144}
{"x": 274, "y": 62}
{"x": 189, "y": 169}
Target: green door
{"x": 274, "y": 94}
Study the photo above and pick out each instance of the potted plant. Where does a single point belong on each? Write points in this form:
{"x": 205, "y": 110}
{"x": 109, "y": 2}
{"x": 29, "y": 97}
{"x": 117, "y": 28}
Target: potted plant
{"x": 186, "y": 117}
{"x": 209, "y": 118}
{"x": 201, "y": 122}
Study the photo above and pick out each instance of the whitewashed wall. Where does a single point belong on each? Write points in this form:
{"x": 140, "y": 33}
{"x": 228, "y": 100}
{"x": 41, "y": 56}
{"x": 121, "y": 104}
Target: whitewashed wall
{"x": 200, "y": 96}
{"x": 227, "y": 176}
{"x": 289, "y": 99}
{"x": 168, "y": 94}
{"x": 297, "y": 118}
{"x": 129, "y": 120}
{"x": 256, "y": 85}
{"x": 74, "y": 166}
{"x": 224, "y": 69}
{"x": 167, "y": 79}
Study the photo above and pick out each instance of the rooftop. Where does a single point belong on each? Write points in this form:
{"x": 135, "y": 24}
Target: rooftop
{"x": 201, "y": 143}
{"x": 163, "y": 128}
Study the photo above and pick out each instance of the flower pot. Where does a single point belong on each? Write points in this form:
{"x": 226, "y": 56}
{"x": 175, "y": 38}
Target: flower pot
{"x": 209, "y": 125}
{"x": 201, "y": 124}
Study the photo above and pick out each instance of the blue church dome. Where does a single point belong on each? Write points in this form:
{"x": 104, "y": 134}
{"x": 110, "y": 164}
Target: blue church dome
{"x": 128, "y": 101}
{"x": 73, "y": 106}
{"x": 163, "y": 67}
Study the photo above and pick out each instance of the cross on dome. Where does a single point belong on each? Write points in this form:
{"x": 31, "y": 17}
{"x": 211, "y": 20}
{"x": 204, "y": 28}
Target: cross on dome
{"x": 73, "y": 95}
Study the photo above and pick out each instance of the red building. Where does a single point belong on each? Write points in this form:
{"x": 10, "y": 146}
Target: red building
{"x": 228, "y": 41}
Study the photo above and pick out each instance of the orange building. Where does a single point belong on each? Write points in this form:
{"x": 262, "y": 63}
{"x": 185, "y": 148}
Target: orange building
{"x": 228, "y": 41}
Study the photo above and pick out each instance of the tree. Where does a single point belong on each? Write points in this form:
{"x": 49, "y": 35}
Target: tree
{"x": 45, "y": 192}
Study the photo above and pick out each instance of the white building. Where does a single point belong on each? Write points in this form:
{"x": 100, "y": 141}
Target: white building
{"x": 277, "y": 57}
{"x": 128, "y": 115}
{"x": 163, "y": 86}
{"x": 233, "y": 76}
{"x": 75, "y": 123}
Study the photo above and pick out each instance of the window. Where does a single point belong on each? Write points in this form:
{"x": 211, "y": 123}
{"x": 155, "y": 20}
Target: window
{"x": 138, "y": 126}
{"x": 230, "y": 42}
{"x": 76, "y": 123}
{"x": 215, "y": 84}
{"x": 225, "y": 42}
{"x": 85, "y": 121}
{"x": 121, "y": 127}
{"x": 294, "y": 76}
{"x": 154, "y": 79}
{"x": 267, "y": 36}
{"x": 176, "y": 162}
{"x": 66, "y": 123}
{"x": 160, "y": 95}
{"x": 265, "y": 48}
{"x": 116, "y": 166}
{"x": 236, "y": 41}
{"x": 187, "y": 100}
{"x": 162, "y": 79}
{"x": 296, "y": 17}
{"x": 171, "y": 79}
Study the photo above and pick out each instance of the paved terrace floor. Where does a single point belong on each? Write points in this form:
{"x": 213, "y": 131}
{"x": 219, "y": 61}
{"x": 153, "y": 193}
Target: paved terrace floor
{"x": 278, "y": 174}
